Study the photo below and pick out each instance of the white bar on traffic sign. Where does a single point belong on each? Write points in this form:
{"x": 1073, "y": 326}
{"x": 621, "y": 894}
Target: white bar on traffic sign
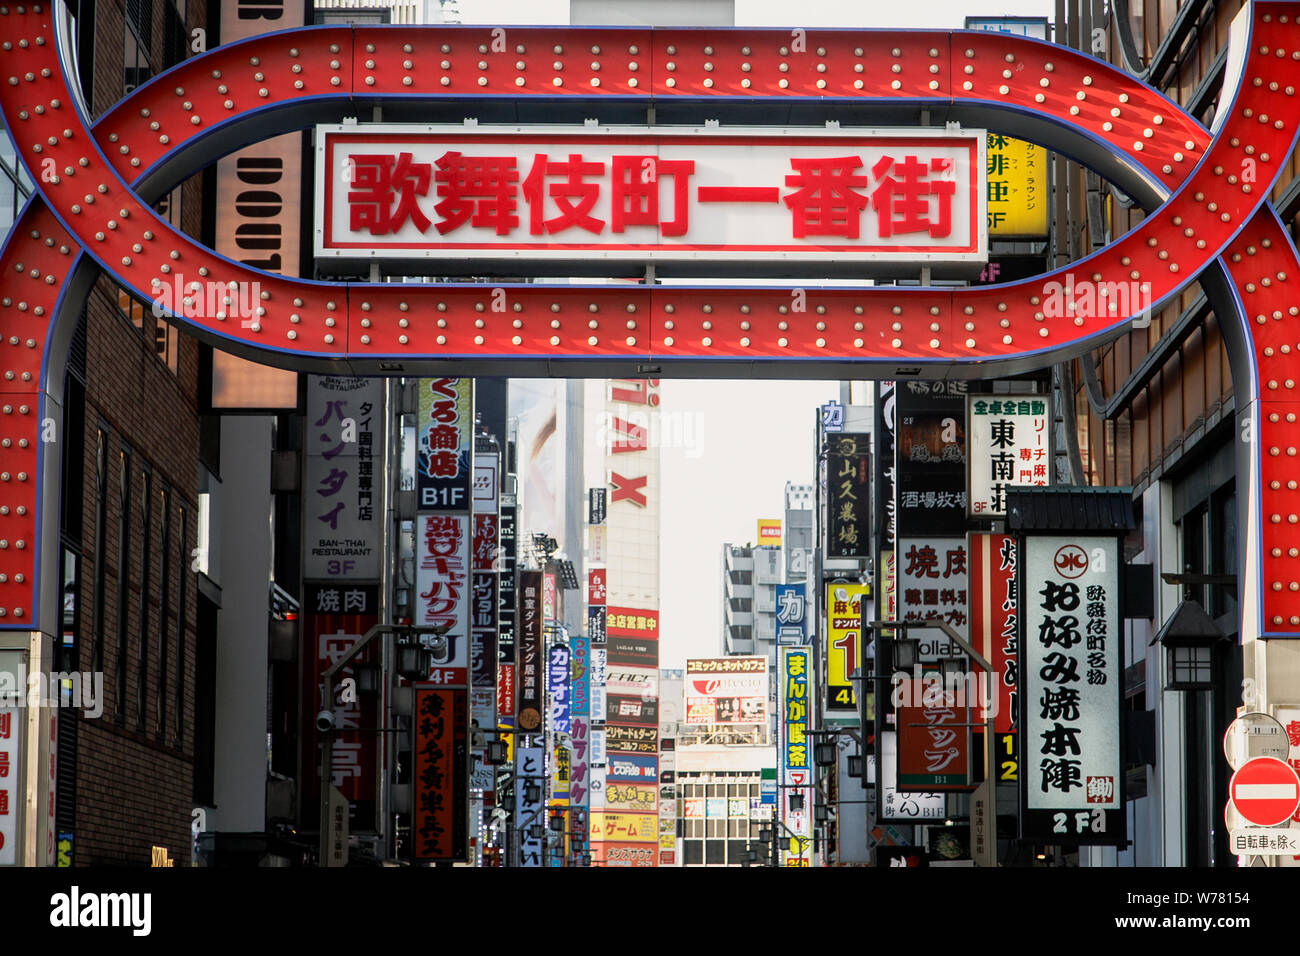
{"x": 1264, "y": 791}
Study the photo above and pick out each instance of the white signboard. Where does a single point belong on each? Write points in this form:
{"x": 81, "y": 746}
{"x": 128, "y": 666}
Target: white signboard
{"x": 1009, "y": 438}
{"x": 529, "y": 768}
{"x": 344, "y": 462}
{"x": 637, "y": 193}
{"x": 932, "y": 583}
{"x": 1071, "y": 678}
{"x": 903, "y": 806}
{"x": 632, "y": 681}
{"x": 442, "y": 578}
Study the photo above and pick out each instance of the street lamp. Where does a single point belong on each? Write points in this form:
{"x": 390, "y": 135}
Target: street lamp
{"x": 824, "y": 753}
{"x": 1189, "y": 638}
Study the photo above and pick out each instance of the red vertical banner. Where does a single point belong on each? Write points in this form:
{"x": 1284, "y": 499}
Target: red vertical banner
{"x": 337, "y": 616}
{"x": 994, "y": 618}
{"x": 933, "y": 736}
{"x": 440, "y": 775}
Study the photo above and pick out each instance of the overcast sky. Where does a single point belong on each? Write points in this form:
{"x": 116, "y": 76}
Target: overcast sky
{"x": 781, "y": 13}
{"x": 738, "y": 442}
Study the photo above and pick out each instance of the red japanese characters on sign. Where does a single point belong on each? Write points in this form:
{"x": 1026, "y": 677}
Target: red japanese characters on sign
{"x": 443, "y": 587}
{"x": 629, "y": 193}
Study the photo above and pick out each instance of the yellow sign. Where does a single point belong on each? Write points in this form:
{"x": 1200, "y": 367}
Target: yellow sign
{"x": 1018, "y": 196}
{"x": 624, "y": 827}
{"x": 667, "y": 833}
{"x": 560, "y": 775}
{"x": 769, "y": 533}
{"x": 631, "y": 796}
{"x": 843, "y": 642}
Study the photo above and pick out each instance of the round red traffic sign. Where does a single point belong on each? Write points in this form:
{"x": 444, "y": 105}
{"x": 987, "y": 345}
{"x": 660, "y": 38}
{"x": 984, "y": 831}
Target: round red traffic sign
{"x": 1266, "y": 791}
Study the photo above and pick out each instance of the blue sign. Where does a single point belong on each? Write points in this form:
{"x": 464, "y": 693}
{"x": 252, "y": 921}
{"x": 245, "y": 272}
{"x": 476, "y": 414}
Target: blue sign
{"x": 832, "y": 417}
{"x": 557, "y": 673}
{"x": 632, "y": 768}
{"x": 791, "y": 614}
{"x": 580, "y": 671}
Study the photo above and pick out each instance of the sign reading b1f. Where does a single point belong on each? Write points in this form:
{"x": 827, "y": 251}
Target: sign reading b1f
{"x": 444, "y": 434}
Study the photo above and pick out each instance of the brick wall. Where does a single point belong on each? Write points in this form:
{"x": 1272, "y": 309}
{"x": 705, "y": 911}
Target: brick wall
{"x": 135, "y": 781}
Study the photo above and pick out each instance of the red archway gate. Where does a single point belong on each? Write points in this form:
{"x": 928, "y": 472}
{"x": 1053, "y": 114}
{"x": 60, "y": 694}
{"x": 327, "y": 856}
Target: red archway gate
{"x": 1212, "y": 222}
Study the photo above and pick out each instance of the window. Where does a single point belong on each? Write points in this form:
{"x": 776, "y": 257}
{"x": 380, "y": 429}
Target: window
{"x": 135, "y": 44}
{"x": 123, "y": 572}
{"x": 183, "y": 572}
{"x": 101, "y": 509}
{"x": 131, "y": 308}
{"x": 146, "y": 569}
{"x": 164, "y": 601}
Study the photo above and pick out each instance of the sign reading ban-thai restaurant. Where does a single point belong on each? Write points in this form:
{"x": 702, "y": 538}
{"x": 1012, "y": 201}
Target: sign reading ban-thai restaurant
{"x": 635, "y": 193}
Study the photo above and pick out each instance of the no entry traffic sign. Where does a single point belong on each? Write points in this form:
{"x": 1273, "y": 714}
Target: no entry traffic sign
{"x": 1266, "y": 791}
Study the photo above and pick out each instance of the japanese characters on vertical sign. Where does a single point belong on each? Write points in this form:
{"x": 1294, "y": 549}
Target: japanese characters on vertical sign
{"x": 557, "y": 672}
{"x": 507, "y": 543}
{"x": 599, "y": 659}
{"x": 596, "y": 506}
{"x": 995, "y": 620}
{"x": 12, "y": 796}
{"x": 1071, "y": 650}
{"x": 440, "y": 774}
{"x": 1016, "y": 184}
{"x": 791, "y": 614}
{"x": 885, "y": 490}
{"x": 550, "y": 598}
{"x": 631, "y": 194}
{"x": 529, "y": 668}
{"x": 442, "y": 578}
{"x": 848, "y": 494}
{"x": 444, "y": 437}
{"x": 530, "y": 777}
{"x": 596, "y": 619}
{"x": 843, "y": 642}
{"x": 580, "y": 737}
{"x": 1289, "y": 718}
{"x": 930, "y": 457}
{"x": 932, "y": 583}
{"x": 484, "y": 604}
{"x": 344, "y": 464}
{"x": 1016, "y": 172}
{"x": 796, "y": 754}
{"x": 933, "y": 735}
{"x": 623, "y": 602}
{"x": 336, "y": 615}
{"x": 1010, "y": 446}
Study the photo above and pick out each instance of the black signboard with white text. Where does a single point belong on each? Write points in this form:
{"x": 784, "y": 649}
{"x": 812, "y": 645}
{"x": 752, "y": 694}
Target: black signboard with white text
{"x": 506, "y": 554}
{"x": 848, "y": 493}
{"x": 930, "y": 458}
{"x": 530, "y": 683}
